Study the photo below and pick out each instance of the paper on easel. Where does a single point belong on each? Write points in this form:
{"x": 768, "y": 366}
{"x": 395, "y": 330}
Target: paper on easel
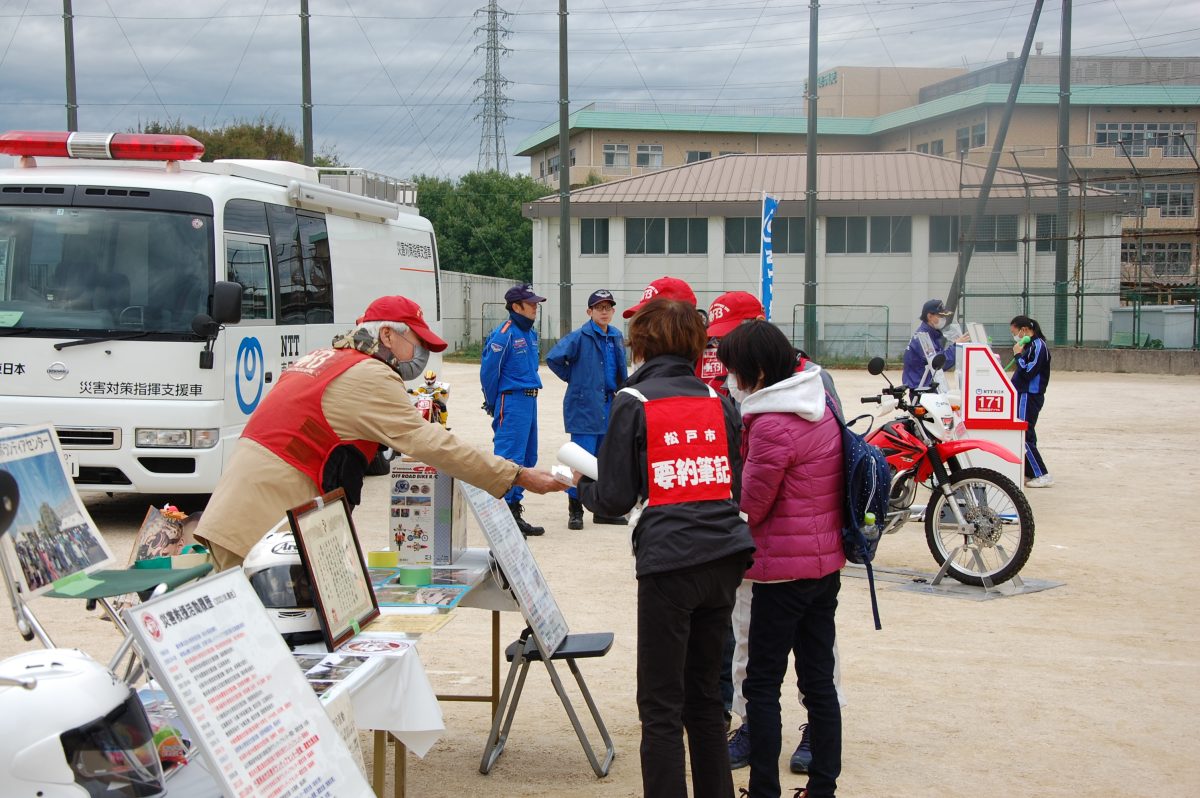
{"x": 575, "y": 456}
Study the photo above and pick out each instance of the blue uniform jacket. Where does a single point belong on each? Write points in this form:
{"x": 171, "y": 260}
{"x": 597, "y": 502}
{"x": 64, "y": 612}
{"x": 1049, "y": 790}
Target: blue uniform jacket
{"x": 914, "y": 356}
{"x": 1033, "y": 367}
{"x": 579, "y": 360}
{"x": 510, "y": 361}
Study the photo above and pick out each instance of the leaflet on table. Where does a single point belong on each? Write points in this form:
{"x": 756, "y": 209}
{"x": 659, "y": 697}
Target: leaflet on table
{"x": 387, "y": 645}
{"x": 441, "y": 596}
{"x": 449, "y": 575}
{"x": 214, "y": 650}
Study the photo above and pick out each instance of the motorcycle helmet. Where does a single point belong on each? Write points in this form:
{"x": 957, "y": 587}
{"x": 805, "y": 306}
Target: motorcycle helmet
{"x": 430, "y": 379}
{"x": 275, "y": 572}
{"x": 69, "y": 728}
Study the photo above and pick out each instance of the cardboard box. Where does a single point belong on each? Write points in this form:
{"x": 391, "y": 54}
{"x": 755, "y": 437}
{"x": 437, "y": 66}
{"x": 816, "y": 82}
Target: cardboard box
{"x": 428, "y": 525}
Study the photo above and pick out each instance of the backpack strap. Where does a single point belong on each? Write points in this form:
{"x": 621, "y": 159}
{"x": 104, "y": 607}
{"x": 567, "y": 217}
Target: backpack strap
{"x": 635, "y": 393}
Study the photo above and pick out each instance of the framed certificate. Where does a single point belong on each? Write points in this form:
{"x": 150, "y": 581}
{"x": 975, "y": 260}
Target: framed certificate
{"x": 329, "y": 550}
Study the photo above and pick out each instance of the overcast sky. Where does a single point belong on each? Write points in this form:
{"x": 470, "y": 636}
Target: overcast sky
{"x": 394, "y": 80}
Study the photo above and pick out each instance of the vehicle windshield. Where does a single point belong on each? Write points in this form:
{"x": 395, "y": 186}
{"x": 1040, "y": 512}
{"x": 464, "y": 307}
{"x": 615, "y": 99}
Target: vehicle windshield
{"x": 103, "y": 270}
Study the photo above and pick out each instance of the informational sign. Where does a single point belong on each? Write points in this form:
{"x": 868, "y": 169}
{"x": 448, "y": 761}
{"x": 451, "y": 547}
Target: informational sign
{"x": 329, "y": 551}
{"x": 989, "y": 408}
{"x": 258, "y": 723}
{"x": 55, "y": 541}
{"x": 427, "y": 523}
{"x": 516, "y": 560}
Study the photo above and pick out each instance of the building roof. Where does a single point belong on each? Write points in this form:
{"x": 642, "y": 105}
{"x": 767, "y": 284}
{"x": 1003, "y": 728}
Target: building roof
{"x": 927, "y": 183}
{"x": 592, "y": 118}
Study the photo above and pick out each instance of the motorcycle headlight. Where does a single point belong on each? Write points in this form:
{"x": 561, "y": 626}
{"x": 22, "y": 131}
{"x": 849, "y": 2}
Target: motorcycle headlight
{"x": 151, "y": 438}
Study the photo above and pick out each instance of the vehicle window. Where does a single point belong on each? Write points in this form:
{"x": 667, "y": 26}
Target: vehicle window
{"x": 317, "y": 273}
{"x": 249, "y": 264}
{"x": 246, "y": 216}
{"x": 289, "y": 264}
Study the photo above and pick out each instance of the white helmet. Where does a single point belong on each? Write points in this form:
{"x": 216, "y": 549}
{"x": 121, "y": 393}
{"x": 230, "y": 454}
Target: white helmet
{"x": 274, "y": 569}
{"x": 70, "y": 729}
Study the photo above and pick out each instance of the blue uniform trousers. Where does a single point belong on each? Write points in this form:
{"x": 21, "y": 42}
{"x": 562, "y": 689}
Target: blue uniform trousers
{"x": 589, "y": 443}
{"x": 514, "y": 422}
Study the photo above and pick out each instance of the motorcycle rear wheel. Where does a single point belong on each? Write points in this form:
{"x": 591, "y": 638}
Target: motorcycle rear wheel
{"x": 998, "y": 538}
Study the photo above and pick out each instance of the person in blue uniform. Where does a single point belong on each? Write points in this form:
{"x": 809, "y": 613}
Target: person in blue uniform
{"x": 509, "y": 376}
{"x": 591, "y": 360}
{"x": 934, "y": 318}
{"x": 1031, "y": 378}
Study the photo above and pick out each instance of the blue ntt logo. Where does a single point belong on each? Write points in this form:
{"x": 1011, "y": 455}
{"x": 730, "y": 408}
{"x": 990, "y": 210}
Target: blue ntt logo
{"x": 248, "y": 374}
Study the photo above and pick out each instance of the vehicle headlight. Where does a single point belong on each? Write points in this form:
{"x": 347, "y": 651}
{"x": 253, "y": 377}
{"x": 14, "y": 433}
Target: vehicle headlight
{"x": 176, "y": 438}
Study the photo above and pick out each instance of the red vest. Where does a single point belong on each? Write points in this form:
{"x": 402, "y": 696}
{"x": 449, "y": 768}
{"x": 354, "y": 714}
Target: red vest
{"x": 687, "y": 453}
{"x": 290, "y": 422}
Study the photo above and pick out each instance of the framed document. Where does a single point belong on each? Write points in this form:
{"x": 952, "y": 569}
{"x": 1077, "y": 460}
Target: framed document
{"x": 329, "y": 550}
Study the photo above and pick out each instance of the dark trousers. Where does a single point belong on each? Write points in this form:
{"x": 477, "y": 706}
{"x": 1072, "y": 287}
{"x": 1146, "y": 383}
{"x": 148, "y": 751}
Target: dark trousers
{"x": 683, "y": 617}
{"x": 795, "y": 616}
{"x": 1029, "y": 407}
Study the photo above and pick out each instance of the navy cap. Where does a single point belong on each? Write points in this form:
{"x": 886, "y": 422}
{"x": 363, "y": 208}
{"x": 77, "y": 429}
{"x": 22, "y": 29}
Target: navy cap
{"x": 934, "y": 306}
{"x": 522, "y": 293}
{"x": 603, "y": 295}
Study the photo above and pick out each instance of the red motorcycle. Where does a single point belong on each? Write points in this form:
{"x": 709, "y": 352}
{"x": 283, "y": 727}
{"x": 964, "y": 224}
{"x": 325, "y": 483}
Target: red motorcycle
{"x": 978, "y": 524}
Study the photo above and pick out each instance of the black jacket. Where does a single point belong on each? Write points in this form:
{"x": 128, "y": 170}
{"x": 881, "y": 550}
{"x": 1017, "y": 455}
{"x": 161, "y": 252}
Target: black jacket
{"x": 667, "y": 537}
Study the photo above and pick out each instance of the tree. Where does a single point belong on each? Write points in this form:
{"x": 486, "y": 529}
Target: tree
{"x": 264, "y": 139}
{"x": 479, "y": 224}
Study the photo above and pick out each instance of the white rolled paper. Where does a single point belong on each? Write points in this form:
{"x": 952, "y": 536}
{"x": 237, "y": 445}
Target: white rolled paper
{"x": 575, "y": 456}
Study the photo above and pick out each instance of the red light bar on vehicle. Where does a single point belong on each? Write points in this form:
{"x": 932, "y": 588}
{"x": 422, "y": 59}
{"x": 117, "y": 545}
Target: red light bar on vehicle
{"x": 111, "y": 146}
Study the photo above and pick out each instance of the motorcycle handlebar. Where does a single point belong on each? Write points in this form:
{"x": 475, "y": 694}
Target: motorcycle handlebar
{"x": 866, "y": 400}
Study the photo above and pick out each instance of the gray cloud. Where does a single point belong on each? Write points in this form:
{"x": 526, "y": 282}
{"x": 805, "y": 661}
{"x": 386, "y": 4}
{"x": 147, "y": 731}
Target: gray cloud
{"x": 394, "y": 83}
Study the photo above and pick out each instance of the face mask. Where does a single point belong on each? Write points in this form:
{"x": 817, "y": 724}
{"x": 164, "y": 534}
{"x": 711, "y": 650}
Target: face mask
{"x": 939, "y": 322}
{"x": 411, "y": 369}
{"x": 736, "y": 393}
{"x": 1017, "y": 338}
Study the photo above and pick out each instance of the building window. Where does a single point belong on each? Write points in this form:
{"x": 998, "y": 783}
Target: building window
{"x": 687, "y": 236}
{"x": 553, "y": 164}
{"x": 741, "y": 232}
{"x": 616, "y": 155}
{"x": 1047, "y": 232}
{"x": 923, "y": 147}
{"x": 935, "y": 147}
{"x": 650, "y": 156}
{"x": 572, "y": 153}
{"x": 1137, "y": 138}
{"x": 978, "y": 135}
{"x": 1175, "y": 200}
{"x": 593, "y": 236}
{"x": 845, "y": 235}
{"x": 891, "y": 234}
{"x": 787, "y": 235}
{"x": 997, "y": 233}
{"x": 541, "y": 168}
{"x": 698, "y": 155}
{"x": 744, "y": 237}
{"x": 645, "y": 236}
{"x": 1166, "y": 258}
{"x": 962, "y": 139}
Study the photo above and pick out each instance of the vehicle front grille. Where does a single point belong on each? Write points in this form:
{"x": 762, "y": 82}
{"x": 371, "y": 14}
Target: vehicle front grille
{"x": 89, "y": 437}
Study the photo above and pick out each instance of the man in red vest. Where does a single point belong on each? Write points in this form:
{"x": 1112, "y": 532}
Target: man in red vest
{"x": 323, "y": 422}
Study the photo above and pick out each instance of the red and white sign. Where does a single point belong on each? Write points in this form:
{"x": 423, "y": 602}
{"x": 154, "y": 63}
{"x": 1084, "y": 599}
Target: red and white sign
{"x": 711, "y": 366}
{"x": 687, "y": 452}
{"x": 989, "y": 403}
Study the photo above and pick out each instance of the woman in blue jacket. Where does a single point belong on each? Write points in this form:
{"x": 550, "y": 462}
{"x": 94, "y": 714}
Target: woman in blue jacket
{"x": 1030, "y": 378}
{"x": 591, "y": 360}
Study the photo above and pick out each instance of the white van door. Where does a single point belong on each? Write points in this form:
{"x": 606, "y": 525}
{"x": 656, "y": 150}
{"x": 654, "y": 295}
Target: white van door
{"x": 254, "y": 346}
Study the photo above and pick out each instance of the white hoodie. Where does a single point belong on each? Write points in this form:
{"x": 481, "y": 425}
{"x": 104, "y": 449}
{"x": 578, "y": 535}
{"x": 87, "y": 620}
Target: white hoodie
{"x": 802, "y": 394}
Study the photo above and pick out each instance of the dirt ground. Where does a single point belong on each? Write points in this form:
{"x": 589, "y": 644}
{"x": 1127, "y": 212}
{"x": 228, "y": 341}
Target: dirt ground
{"x": 1089, "y": 689}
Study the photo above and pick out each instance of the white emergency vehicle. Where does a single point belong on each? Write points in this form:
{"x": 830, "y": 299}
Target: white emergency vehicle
{"x": 148, "y": 301}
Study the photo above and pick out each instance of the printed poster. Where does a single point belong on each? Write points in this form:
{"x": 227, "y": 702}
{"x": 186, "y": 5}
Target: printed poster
{"x": 260, "y": 725}
{"x": 53, "y": 538}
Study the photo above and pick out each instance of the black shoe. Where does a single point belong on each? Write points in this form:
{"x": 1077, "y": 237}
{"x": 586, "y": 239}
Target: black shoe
{"x": 527, "y": 529}
{"x": 615, "y": 520}
{"x": 574, "y": 513}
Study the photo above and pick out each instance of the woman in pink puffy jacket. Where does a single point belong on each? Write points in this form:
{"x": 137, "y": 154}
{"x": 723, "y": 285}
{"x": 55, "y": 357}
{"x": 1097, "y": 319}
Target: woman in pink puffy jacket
{"x": 792, "y": 494}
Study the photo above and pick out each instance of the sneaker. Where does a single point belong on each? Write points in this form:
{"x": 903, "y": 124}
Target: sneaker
{"x": 574, "y": 514}
{"x": 527, "y": 529}
{"x": 739, "y": 747}
{"x": 802, "y": 757}
{"x": 1044, "y": 481}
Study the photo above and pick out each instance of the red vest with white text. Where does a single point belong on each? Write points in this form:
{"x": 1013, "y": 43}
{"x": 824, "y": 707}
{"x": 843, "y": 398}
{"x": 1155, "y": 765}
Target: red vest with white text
{"x": 290, "y": 422}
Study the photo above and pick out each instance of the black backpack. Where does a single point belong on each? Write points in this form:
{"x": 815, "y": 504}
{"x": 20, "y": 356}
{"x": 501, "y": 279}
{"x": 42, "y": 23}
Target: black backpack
{"x": 868, "y": 479}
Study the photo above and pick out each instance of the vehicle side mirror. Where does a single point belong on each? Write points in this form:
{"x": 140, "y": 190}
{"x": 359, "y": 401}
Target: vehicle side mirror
{"x": 876, "y": 366}
{"x": 227, "y": 302}
{"x": 205, "y": 326}
{"x": 938, "y": 361}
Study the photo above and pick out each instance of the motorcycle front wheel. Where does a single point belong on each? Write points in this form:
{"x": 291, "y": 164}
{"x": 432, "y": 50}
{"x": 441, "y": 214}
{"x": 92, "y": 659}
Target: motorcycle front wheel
{"x": 997, "y": 537}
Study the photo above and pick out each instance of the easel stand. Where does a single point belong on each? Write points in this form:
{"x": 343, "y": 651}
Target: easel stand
{"x": 521, "y": 653}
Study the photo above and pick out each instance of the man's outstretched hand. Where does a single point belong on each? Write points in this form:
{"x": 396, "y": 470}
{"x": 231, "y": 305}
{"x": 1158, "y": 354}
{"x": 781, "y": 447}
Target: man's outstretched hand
{"x": 539, "y": 481}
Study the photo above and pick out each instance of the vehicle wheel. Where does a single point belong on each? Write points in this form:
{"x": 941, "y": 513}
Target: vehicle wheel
{"x": 998, "y": 537}
{"x": 379, "y": 465}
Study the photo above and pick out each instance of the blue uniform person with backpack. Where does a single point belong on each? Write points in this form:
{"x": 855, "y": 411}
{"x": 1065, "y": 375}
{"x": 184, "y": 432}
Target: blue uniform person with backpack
{"x": 508, "y": 374}
{"x": 591, "y": 360}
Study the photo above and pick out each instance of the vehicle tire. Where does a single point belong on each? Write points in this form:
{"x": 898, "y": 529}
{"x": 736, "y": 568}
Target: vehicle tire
{"x": 379, "y": 465}
{"x": 1000, "y": 537}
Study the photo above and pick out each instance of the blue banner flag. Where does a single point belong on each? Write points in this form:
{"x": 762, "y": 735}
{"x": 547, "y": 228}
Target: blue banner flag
{"x": 770, "y": 205}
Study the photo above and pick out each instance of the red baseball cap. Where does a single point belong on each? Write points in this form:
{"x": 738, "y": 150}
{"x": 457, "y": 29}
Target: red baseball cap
{"x": 731, "y": 309}
{"x": 664, "y": 288}
{"x": 404, "y": 310}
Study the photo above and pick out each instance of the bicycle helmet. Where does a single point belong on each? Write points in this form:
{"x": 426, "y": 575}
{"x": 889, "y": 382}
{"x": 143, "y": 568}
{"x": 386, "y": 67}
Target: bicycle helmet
{"x": 275, "y": 572}
{"x": 69, "y": 728}
{"x": 431, "y": 379}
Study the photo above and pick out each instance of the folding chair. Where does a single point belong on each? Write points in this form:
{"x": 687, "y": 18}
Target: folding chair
{"x": 521, "y": 653}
